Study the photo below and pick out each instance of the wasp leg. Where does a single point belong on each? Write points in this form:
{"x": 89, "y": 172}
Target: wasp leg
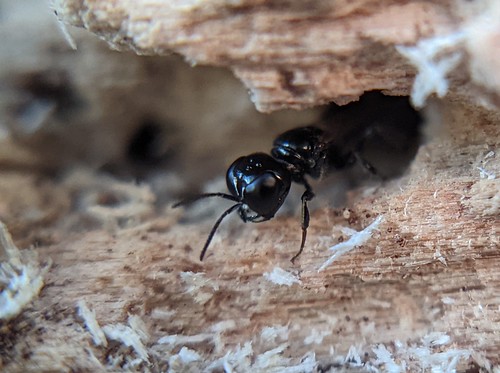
{"x": 306, "y": 196}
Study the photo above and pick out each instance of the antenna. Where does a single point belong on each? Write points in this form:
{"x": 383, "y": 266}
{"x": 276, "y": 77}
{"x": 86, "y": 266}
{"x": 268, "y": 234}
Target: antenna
{"x": 214, "y": 228}
{"x": 193, "y": 199}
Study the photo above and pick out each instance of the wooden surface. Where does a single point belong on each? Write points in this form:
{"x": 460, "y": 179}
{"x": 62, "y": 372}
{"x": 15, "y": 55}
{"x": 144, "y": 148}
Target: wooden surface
{"x": 424, "y": 288}
{"x": 296, "y": 54}
{"x": 430, "y": 268}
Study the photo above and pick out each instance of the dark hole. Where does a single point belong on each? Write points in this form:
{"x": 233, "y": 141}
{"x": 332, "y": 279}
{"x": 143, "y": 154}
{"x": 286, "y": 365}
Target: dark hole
{"x": 148, "y": 145}
{"x": 149, "y": 151}
{"x": 383, "y": 131}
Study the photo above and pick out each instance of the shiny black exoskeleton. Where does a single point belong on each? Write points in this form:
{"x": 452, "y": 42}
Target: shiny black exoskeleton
{"x": 259, "y": 183}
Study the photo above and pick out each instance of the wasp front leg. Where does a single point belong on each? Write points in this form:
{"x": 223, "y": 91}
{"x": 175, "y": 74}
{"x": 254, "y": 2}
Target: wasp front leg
{"x": 306, "y": 197}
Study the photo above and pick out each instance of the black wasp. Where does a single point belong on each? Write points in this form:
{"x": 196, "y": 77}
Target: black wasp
{"x": 259, "y": 182}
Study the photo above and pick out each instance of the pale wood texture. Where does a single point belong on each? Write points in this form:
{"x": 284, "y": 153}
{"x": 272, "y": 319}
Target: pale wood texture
{"x": 300, "y": 54}
{"x": 427, "y": 278}
{"x": 430, "y": 267}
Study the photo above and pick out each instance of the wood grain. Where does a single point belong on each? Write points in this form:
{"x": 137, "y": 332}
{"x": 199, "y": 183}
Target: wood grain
{"x": 429, "y": 268}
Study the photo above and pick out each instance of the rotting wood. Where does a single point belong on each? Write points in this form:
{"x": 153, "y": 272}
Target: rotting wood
{"x": 301, "y": 54}
{"x": 427, "y": 279}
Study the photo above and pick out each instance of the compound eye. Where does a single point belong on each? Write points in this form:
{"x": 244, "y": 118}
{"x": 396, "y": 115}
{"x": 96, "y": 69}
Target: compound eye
{"x": 265, "y": 194}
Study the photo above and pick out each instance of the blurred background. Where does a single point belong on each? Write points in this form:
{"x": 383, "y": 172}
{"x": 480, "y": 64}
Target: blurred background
{"x": 75, "y": 121}
{"x": 114, "y": 110}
